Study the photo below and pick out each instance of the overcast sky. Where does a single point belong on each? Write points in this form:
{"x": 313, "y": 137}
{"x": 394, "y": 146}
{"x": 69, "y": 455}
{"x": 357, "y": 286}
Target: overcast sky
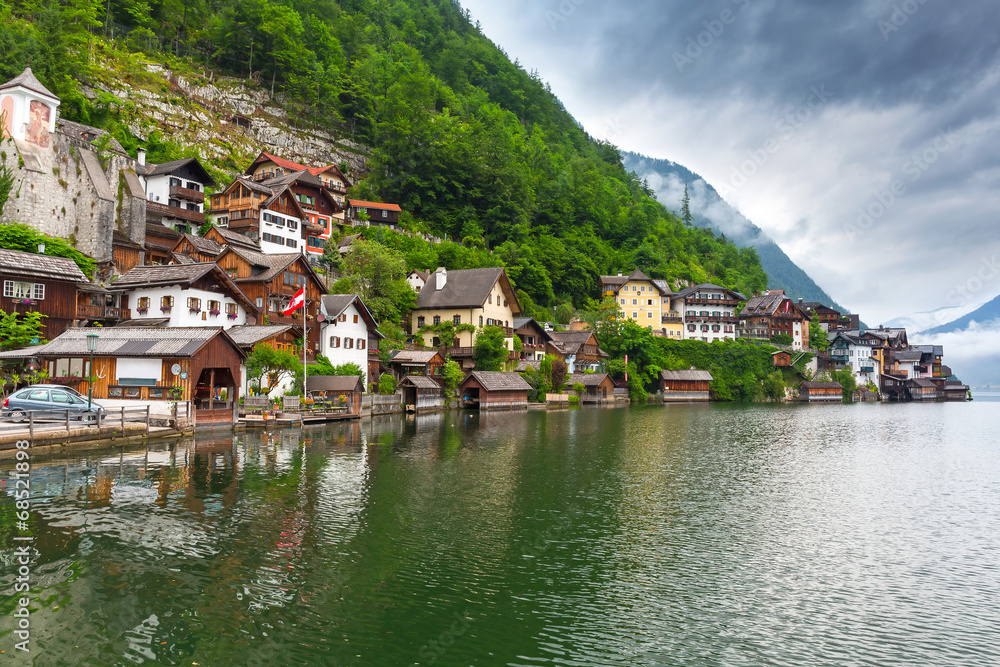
{"x": 862, "y": 135}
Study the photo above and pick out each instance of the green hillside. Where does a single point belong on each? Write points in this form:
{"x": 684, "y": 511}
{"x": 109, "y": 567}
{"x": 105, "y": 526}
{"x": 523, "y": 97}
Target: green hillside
{"x": 468, "y": 143}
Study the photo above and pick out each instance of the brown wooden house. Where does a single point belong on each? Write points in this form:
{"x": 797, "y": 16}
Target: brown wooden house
{"x": 782, "y": 359}
{"x": 534, "y": 338}
{"x": 692, "y": 385}
{"x": 493, "y": 390}
{"x": 270, "y": 281}
{"x": 126, "y": 254}
{"x": 427, "y": 363}
{"x": 226, "y": 237}
{"x": 821, "y": 392}
{"x": 599, "y": 387}
{"x": 199, "y": 249}
{"x": 48, "y": 285}
{"x": 160, "y": 241}
{"x": 421, "y": 393}
{"x": 579, "y": 349}
{"x": 187, "y": 364}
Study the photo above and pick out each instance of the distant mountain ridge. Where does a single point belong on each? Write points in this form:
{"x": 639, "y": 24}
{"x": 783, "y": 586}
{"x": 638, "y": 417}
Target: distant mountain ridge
{"x": 986, "y": 313}
{"x": 710, "y": 210}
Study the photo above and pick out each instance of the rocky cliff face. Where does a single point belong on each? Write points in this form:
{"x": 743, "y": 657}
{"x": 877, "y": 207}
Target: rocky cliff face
{"x": 228, "y": 120}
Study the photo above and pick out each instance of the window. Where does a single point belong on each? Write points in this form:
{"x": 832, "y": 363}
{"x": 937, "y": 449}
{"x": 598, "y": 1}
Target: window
{"x": 175, "y": 182}
{"x": 291, "y": 243}
{"x": 635, "y": 302}
{"x": 355, "y": 319}
{"x": 420, "y": 322}
{"x": 704, "y": 327}
{"x": 692, "y": 328}
{"x": 456, "y": 320}
{"x": 480, "y": 320}
{"x": 17, "y": 290}
{"x": 166, "y": 303}
{"x": 623, "y": 301}
{"x": 361, "y": 343}
{"x": 143, "y": 304}
{"x": 349, "y": 343}
{"x": 635, "y": 315}
{"x": 231, "y": 311}
{"x": 437, "y": 320}
{"x": 214, "y": 307}
{"x": 490, "y": 299}
{"x": 649, "y": 315}
{"x": 649, "y": 302}
{"x": 385, "y": 214}
{"x": 193, "y": 186}
{"x": 334, "y": 341}
{"x": 292, "y": 224}
{"x": 176, "y": 203}
{"x": 260, "y": 302}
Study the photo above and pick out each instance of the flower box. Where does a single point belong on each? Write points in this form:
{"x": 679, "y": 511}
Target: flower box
{"x": 231, "y": 316}
{"x": 26, "y": 302}
{"x": 142, "y": 311}
{"x": 165, "y": 309}
{"x": 213, "y": 313}
{"x": 195, "y": 310}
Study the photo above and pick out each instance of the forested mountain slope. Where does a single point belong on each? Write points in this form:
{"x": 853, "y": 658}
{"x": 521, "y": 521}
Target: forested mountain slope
{"x": 467, "y": 142}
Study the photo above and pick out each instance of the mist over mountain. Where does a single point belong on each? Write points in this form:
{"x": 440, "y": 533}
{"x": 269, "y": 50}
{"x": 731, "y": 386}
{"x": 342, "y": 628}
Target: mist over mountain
{"x": 711, "y": 211}
{"x": 987, "y": 315}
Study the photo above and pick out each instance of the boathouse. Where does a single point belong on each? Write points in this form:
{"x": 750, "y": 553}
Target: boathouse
{"x": 821, "y": 392}
{"x": 782, "y": 359}
{"x": 599, "y": 386}
{"x": 421, "y": 393}
{"x": 493, "y": 390}
{"x": 692, "y": 385}
{"x": 922, "y": 389}
{"x": 199, "y": 364}
{"x": 345, "y": 390}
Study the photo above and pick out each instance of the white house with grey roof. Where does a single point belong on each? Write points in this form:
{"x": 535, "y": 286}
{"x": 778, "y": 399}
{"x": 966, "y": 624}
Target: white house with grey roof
{"x": 349, "y": 333}
{"x": 175, "y": 192}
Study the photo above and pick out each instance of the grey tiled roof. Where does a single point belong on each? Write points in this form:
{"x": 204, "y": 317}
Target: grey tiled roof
{"x": 125, "y": 341}
{"x": 907, "y": 355}
{"x": 41, "y": 266}
{"x": 414, "y": 357}
{"x": 181, "y": 258}
{"x": 586, "y": 379}
{"x": 420, "y": 382}
{"x": 498, "y": 381}
{"x": 163, "y": 274}
{"x": 248, "y": 336}
{"x": 27, "y": 79}
{"x": 174, "y": 165}
{"x": 822, "y": 385}
{"x": 79, "y": 131}
{"x": 345, "y": 383}
{"x": 690, "y": 376}
{"x": 237, "y": 239}
{"x": 265, "y": 266}
{"x": 707, "y": 286}
{"x": 467, "y": 288}
{"x": 203, "y": 245}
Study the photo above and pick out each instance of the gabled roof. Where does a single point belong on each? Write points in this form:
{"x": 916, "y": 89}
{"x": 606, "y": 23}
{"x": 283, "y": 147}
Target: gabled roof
{"x": 357, "y": 203}
{"x": 524, "y": 321}
{"x": 166, "y": 275}
{"x": 335, "y": 304}
{"x": 267, "y": 266}
{"x": 498, "y": 381}
{"x": 420, "y": 382}
{"x": 822, "y": 385}
{"x": 159, "y": 230}
{"x": 923, "y": 383}
{"x": 685, "y": 293}
{"x": 249, "y": 335}
{"x": 202, "y": 245}
{"x": 581, "y": 337}
{"x": 28, "y": 81}
{"x": 466, "y": 288}
{"x": 167, "y": 168}
{"x": 689, "y": 376}
{"x": 414, "y": 357}
{"x": 638, "y": 276}
{"x": 348, "y": 240}
{"x": 767, "y": 305}
{"x": 147, "y": 342}
{"x": 586, "y": 379}
{"x": 180, "y": 258}
{"x": 42, "y": 266}
{"x": 120, "y": 240}
{"x": 249, "y": 185}
{"x": 909, "y": 355}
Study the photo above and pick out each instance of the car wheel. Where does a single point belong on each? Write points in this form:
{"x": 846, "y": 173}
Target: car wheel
{"x": 17, "y": 416}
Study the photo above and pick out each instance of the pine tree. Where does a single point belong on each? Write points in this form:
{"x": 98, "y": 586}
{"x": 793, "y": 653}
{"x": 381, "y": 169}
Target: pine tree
{"x": 686, "y": 208}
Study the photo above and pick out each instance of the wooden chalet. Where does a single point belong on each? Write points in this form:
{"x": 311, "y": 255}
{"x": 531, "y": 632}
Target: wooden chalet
{"x": 186, "y": 364}
{"x": 198, "y": 248}
{"x": 534, "y": 338}
{"x": 318, "y": 204}
{"x": 41, "y": 283}
{"x": 267, "y": 166}
{"x": 599, "y": 387}
{"x": 421, "y": 393}
{"x": 821, "y": 392}
{"x": 782, "y": 359}
{"x": 427, "y": 363}
{"x": 270, "y": 281}
{"x": 493, "y": 390}
{"x": 225, "y": 237}
{"x": 579, "y": 349}
{"x": 126, "y": 254}
{"x": 772, "y": 314}
{"x": 328, "y": 388}
{"x": 160, "y": 242}
{"x": 828, "y": 318}
{"x": 691, "y": 385}
{"x": 378, "y": 214}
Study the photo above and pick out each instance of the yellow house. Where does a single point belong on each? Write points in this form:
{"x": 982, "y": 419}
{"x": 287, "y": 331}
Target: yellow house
{"x": 644, "y": 300}
{"x": 480, "y": 297}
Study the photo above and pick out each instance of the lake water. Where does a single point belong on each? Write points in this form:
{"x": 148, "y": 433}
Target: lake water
{"x": 679, "y": 535}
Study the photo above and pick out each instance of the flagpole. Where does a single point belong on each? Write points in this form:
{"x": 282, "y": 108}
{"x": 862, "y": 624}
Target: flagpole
{"x": 305, "y": 303}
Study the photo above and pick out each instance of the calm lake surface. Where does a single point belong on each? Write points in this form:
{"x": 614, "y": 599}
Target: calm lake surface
{"x": 679, "y": 535}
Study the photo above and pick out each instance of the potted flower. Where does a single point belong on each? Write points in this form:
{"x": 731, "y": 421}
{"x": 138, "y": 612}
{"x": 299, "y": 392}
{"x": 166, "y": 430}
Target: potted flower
{"x": 165, "y": 309}
{"x": 26, "y": 302}
{"x": 195, "y": 310}
{"x": 231, "y": 316}
{"x": 342, "y": 399}
{"x": 142, "y": 310}
{"x": 214, "y": 312}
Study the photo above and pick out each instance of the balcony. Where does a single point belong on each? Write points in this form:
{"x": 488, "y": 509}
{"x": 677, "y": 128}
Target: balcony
{"x": 87, "y": 311}
{"x": 711, "y": 302}
{"x": 672, "y": 319}
{"x": 187, "y": 194}
{"x": 175, "y": 212}
{"x": 460, "y": 352}
{"x": 722, "y": 319}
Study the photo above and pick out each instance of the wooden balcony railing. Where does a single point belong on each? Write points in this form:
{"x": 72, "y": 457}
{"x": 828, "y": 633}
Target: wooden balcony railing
{"x": 87, "y": 311}
{"x": 711, "y": 302}
{"x": 196, "y": 196}
{"x": 175, "y": 212}
{"x": 460, "y": 352}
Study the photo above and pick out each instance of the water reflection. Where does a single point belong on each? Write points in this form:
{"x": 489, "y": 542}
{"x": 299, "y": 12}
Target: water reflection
{"x": 683, "y": 534}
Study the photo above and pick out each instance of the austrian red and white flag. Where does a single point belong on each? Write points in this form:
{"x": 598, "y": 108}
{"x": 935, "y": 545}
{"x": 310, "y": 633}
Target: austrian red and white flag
{"x": 297, "y": 301}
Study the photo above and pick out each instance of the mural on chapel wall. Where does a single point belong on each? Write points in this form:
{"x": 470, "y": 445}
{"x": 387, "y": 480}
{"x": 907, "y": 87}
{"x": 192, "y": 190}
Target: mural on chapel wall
{"x": 6, "y": 117}
{"x": 38, "y": 129}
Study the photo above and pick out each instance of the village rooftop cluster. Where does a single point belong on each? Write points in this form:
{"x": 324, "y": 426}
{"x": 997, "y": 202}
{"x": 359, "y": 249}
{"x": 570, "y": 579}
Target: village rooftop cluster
{"x": 179, "y": 312}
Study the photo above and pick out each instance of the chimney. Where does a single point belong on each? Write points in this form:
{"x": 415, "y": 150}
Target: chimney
{"x": 619, "y": 274}
{"x": 440, "y": 278}
{"x": 800, "y": 299}
{"x": 142, "y": 157}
